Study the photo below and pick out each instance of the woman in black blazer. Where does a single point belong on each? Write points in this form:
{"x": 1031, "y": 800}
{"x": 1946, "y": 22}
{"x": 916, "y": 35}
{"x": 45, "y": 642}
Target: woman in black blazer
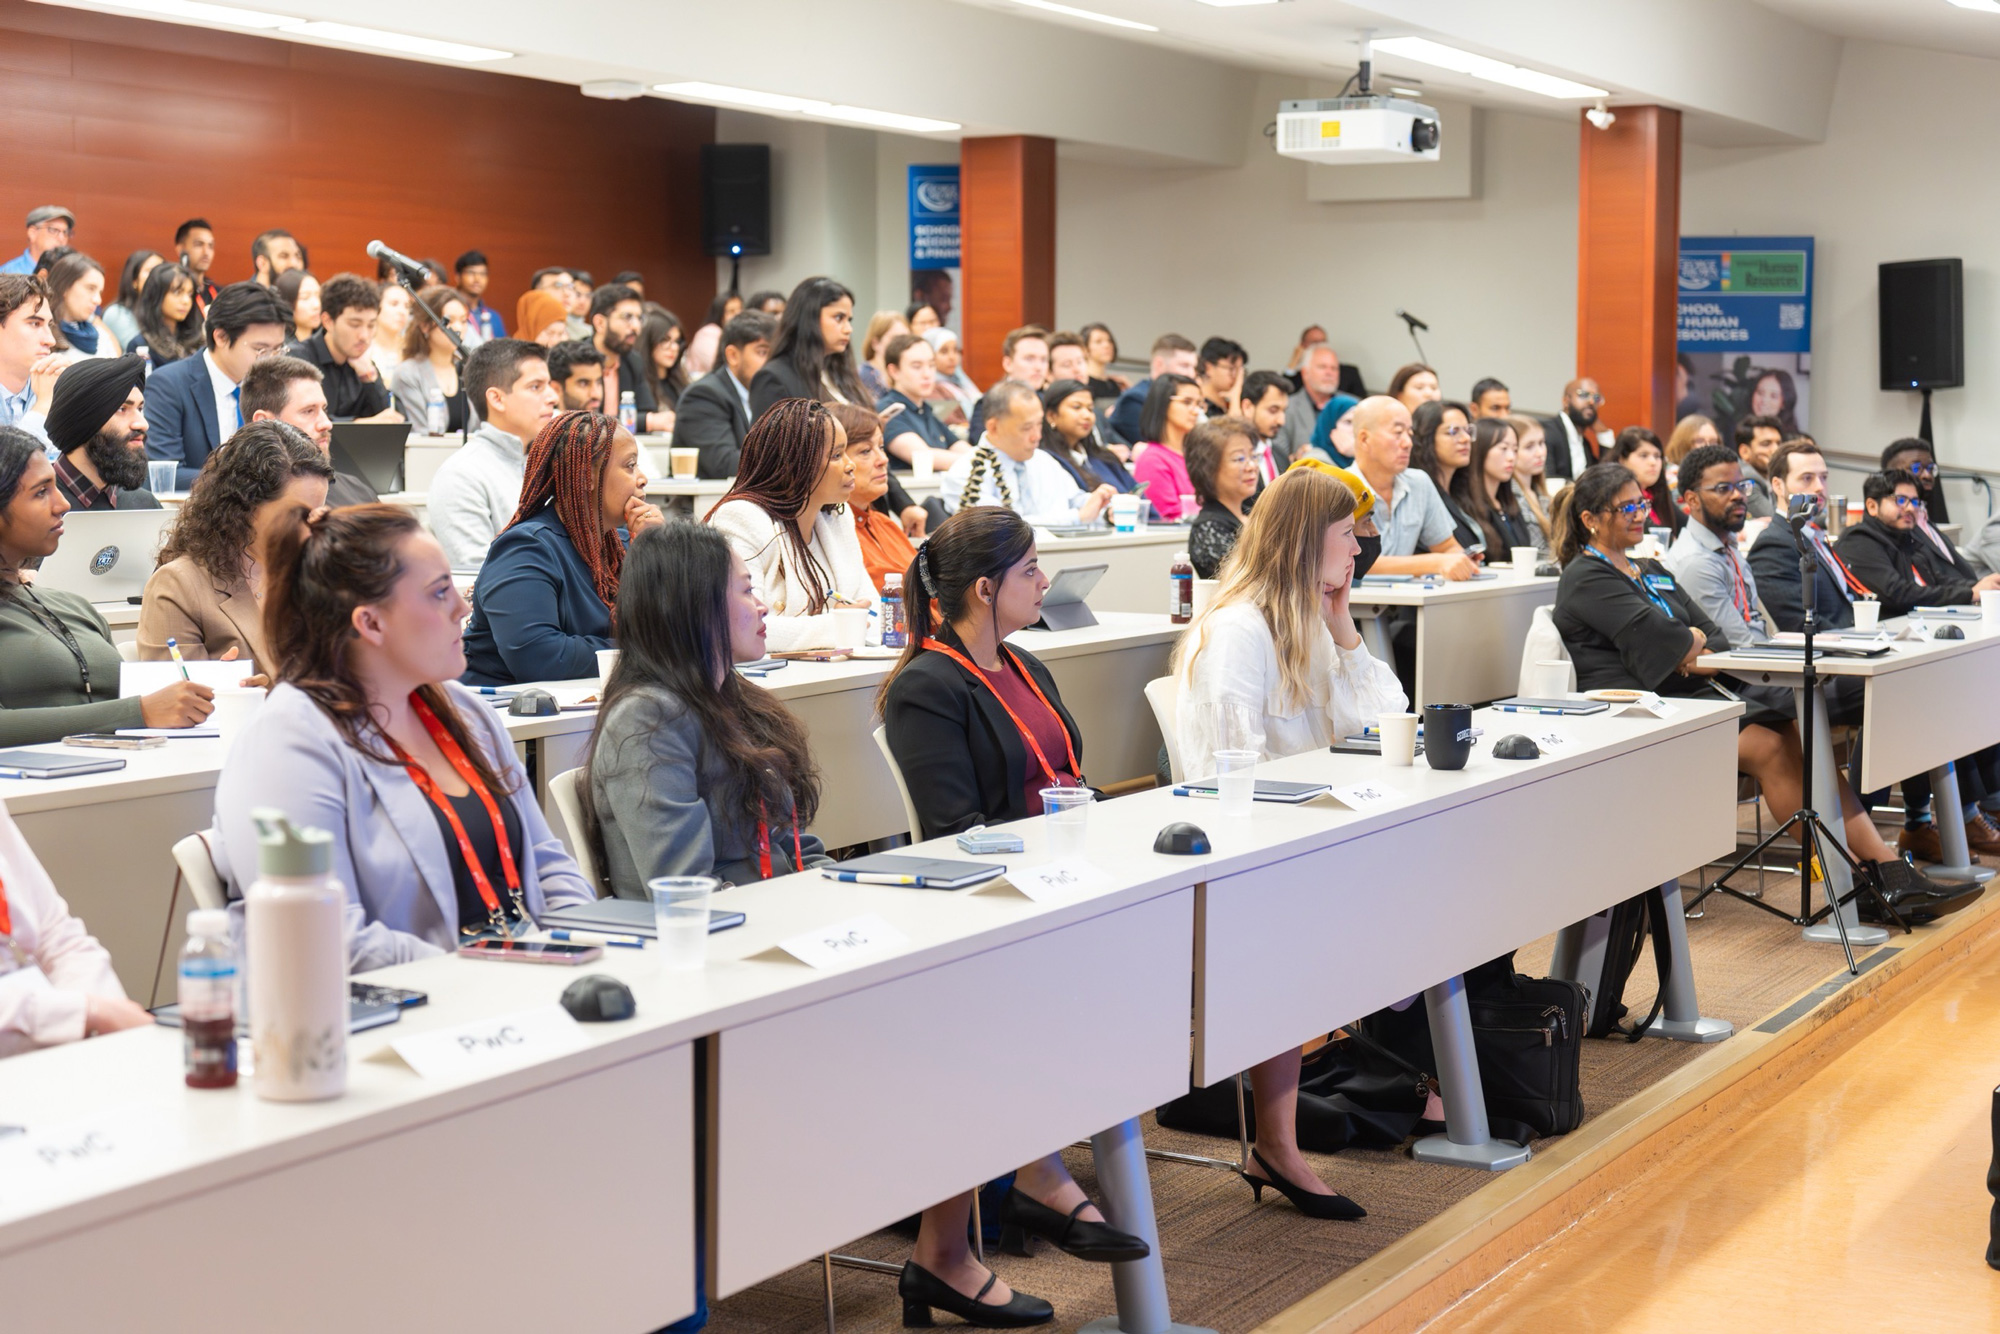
{"x": 810, "y": 358}
{"x": 975, "y": 726}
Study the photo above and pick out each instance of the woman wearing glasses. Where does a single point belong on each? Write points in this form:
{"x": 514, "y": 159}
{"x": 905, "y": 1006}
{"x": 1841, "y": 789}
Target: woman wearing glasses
{"x": 1441, "y": 446}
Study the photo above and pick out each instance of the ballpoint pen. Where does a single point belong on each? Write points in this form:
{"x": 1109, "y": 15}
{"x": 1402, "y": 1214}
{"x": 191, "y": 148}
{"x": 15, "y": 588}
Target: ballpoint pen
{"x": 174, "y": 649}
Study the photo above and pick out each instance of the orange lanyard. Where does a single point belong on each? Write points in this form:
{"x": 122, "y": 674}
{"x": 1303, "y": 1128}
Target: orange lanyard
{"x": 764, "y": 846}
{"x": 1048, "y": 770}
{"x": 6, "y": 916}
{"x": 428, "y": 786}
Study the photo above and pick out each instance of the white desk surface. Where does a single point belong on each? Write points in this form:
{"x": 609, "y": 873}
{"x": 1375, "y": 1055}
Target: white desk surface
{"x": 1469, "y": 632}
{"x": 1418, "y": 593}
{"x": 715, "y": 486}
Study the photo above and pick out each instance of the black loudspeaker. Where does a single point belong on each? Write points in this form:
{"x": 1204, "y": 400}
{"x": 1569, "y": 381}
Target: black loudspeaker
{"x": 1923, "y": 324}
{"x": 736, "y": 199}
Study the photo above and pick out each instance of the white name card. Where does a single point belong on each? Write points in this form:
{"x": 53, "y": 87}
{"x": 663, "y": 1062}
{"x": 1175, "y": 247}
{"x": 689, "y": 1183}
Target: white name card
{"x": 63, "y": 1160}
{"x": 489, "y": 1045}
{"x": 1063, "y": 878}
{"x": 1649, "y": 705}
{"x": 1550, "y": 740}
{"x": 845, "y": 944}
{"x": 1367, "y": 796}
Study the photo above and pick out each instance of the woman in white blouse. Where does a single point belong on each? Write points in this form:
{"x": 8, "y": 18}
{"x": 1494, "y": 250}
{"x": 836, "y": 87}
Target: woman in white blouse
{"x": 1276, "y": 665}
{"x": 787, "y": 519}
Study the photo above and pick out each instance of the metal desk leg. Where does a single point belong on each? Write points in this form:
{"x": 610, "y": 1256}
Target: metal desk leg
{"x": 1467, "y": 1141}
{"x": 1680, "y": 1018}
{"x": 1376, "y": 636}
{"x": 1140, "y": 1285}
{"x": 1949, "y": 811}
{"x": 1826, "y": 797}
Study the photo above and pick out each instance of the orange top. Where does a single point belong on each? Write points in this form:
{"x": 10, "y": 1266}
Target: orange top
{"x": 885, "y": 548}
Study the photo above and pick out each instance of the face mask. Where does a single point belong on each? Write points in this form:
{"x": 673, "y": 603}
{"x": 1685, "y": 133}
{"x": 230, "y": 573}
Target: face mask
{"x": 1371, "y": 549}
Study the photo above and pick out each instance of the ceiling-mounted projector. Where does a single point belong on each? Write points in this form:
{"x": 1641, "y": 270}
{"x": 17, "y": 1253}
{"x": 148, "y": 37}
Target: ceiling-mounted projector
{"x": 1367, "y": 128}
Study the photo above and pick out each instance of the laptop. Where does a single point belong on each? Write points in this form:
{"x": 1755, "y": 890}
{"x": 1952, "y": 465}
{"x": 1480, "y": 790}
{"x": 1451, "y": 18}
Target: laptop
{"x": 1063, "y": 606}
{"x": 106, "y": 555}
{"x": 372, "y": 451}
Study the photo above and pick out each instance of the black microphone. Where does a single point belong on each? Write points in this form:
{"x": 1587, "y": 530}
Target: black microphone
{"x": 1401, "y": 314}
{"x": 376, "y": 250}
{"x": 1801, "y": 509}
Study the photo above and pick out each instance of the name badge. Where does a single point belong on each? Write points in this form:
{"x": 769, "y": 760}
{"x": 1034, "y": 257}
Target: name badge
{"x": 845, "y": 944}
{"x": 490, "y": 1045}
{"x": 1660, "y": 583}
{"x": 1063, "y": 878}
{"x": 1367, "y": 796}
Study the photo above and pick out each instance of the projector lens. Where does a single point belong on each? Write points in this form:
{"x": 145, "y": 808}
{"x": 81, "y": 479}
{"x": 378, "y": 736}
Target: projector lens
{"x": 1423, "y": 136}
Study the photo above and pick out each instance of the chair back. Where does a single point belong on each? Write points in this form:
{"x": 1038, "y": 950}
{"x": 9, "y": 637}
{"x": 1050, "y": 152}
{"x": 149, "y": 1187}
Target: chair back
{"x": 902, "y": 788}
{"x": 197, "y": 867}
{"x": 575, "y": 830}
{"x": 1164, "y": 694}
{"x": 128, "y": 651}
{"x": 1543, "y": 644}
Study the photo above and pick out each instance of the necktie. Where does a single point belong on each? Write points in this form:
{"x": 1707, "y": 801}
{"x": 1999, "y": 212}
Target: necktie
{"x": 1843, "y": 578}
{"x": 236, "y": 403}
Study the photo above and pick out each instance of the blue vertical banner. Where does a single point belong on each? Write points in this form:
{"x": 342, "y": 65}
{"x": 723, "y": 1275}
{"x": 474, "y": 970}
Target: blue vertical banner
{"x": 1745, "y": 330}
{"x": 934, "y": 239}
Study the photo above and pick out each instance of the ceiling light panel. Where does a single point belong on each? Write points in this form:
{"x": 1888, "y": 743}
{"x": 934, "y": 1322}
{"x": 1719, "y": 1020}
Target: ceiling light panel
{"x": 257, "y": 20}
{"x": 785, "y": 104}
{"x": 1071, "y": 11}
{"x": 1427, "y": 52}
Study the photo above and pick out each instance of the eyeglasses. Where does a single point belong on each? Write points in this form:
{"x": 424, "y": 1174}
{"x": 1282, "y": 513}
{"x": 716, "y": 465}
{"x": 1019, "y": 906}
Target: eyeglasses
{"x": 1633, "y": 510}
{"x": 1905, "y": 502}
{"x": 1922, "y": 469}
{"x": 1455, "y": 432}
{"x": 1589, "y": 398}
{"x": 1743, "y": 488}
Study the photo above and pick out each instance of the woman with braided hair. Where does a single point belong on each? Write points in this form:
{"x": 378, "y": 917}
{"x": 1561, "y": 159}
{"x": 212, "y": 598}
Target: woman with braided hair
{"x": 788, "y": 520}
{"x": 543, "y": 604}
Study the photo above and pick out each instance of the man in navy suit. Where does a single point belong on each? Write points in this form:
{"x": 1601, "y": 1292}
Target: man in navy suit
{"x": 195, "y": 404}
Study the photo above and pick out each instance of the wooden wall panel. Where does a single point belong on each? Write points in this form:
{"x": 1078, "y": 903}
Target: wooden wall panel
{"x": 137, "y": 126}
{"x": 1628, "y": 242}
{"x": 1007, "y": 235}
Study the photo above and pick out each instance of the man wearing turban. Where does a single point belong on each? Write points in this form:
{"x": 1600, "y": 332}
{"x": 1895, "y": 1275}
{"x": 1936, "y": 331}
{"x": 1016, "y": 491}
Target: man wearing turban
{"x": 97, "y": 424}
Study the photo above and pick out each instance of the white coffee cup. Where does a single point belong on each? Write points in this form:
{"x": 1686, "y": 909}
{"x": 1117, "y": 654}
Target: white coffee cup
{"x": 607, "y": 663}
{"x": 1204, "y": 594}
{"x": 1867, "y": 614}
{"x": 920, "y": 461}
{"x": 1550, "y": 678}
{"x": 1125, "y": 512}
{"x": 850, "y": 627}
{"x": 234, "y": 707}
{"x": 1525, "y": 560}
{"x": 1399, "y": 738}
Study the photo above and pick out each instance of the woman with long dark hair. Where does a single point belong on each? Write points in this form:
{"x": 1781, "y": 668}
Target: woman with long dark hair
{"x": 431, "y": 363}
{"x": 1440, "y": 448}
{"x": 787, "y": 518}
{"x": 437, "y": 835}
{"x": 1414, "y": 385}
{"x": 542, "y": 607}
{"x": 170, "y": 327}
{"x": 76, "y": 288}
{"x": 1639, "y": 449}
{"x": 693, "y": 769}
{"x": 299, "y": 291}
{"x": 978, "y": 729}
{"x": 662, "y": 348}
{"x": 811, "y": 357}
{"x": 1485, "y": 488}
{"x": 122, "y": 315}
{"x": 1174, "y": 406}
{"x": 1069, "y": 431}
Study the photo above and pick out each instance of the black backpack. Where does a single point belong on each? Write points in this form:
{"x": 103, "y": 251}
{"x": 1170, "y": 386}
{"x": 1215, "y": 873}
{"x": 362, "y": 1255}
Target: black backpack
{"x": 1630, "y": 923}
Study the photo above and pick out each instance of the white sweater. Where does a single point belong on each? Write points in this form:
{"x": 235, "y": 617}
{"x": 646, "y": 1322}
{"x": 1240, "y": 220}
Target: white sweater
{"x": 765, "y": 551}
{"x": 475, "y": 493}
{"x": 44, "y": 993}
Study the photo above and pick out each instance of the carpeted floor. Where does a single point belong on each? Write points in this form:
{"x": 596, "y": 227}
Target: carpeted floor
{"x": 1231, "y": 1265}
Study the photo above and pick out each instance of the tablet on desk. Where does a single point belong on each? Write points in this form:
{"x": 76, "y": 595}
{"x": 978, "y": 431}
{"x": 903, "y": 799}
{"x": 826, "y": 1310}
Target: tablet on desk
{"x": 47, "y": 764}
{"x": 1063, "y": 606}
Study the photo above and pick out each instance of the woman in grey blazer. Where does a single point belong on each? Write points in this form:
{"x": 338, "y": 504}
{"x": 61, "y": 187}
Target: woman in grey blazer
{"x": 428, "y": 365}
{"x": 368, "y": 736}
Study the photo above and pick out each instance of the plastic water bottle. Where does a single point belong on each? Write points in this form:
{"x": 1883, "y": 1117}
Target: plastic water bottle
{"x": 1180, "y": 608}
{"x": 628, "y": 412}
{"x": 208, "y": 1000}
{"x": 895, "y": 628}
{"x": 435, "y": 413}
{"x": 298, "y": 964}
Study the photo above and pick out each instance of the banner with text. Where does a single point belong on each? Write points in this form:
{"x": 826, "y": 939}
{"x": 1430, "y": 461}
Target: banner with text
{"x": 934, "y": 238}
{"x": 1745, "y": 330}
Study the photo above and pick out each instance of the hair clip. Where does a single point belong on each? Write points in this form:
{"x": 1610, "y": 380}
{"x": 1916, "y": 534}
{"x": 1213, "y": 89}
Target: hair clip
{"x": 924, "y": 568}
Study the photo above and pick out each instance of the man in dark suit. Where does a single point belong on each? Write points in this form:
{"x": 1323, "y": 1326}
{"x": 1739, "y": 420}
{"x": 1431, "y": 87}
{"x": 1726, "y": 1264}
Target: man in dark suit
{"x": 1172, "y": 355}
{"x": 195, "y": 404}
{"x": 1572, "y": 433}
{"x": 715, "y": 410}
{"x": 1799, "y": 469}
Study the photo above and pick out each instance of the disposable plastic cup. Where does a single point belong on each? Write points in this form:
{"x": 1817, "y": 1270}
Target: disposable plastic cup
{"x": 1868, "y": 614}
{"x": 850, "y": 627}
{"x": 920, "y": 462}
{"x": 1066, "y": 816}
{"x": 1125, "y": 513}
{"x": 160, "y": 476}
{"x": 1235, "y": 782}
{"x": 607, "y": 663}
{"x": 680, "y": 912}
{"x": 1525, "y": 560}
{"x": 1551, "y": 678}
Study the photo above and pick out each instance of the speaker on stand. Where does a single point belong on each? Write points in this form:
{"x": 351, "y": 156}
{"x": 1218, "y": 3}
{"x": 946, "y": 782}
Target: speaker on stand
{"x": 736, "y": 202}
{"x": 1922, "y": 325}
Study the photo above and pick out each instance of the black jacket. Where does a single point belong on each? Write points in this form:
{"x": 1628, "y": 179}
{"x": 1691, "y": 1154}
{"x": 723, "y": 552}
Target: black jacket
{"x": 711, "y": 418}
{"x": 1774, "y": 559}
{"x": 634, "y": 382}
{"x": 1618, "y": 638}
{"x": 1891, "y": 563}
{"x": 961, "y": 756}
{"x": 1559, "y": 463}
{"x": 778, "y": 380}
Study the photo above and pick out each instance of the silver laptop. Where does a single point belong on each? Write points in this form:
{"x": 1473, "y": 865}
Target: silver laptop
{"x": 105, "y": 555}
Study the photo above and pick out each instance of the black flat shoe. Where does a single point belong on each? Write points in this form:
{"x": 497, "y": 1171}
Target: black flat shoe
{"x": 1309, "y": 1203}
{"x": 921, "y": 1290}
{"x": 1023, "y": 1218}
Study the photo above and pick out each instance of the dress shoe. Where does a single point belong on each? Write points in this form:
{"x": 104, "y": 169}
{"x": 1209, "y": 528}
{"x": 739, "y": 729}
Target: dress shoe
{"x": 921, "y": 1290}
{"x": 1023, "y": 1218}
{"x": 1981, "y": 835}
{"x": 1922, "y": 842}
{"x": 1915, "y": 896}
{"x": 1310, "y": 1203}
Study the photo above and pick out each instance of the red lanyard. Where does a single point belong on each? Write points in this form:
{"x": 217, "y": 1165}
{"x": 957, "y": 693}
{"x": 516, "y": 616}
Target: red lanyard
{"x": 6, "y": 916}
{"x": 1738, "y": 587}
{"x": 428, "y": 786}
{"x": 1854, "y": 585}
{"x": 1048, "y": 770}
{"x": 764, "y": 846}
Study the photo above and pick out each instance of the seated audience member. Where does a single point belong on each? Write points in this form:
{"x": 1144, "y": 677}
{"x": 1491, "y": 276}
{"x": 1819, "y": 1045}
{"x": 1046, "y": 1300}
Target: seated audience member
{"x": 1218, "y": 369}
{"x": 272, "y": 253}
{"x": 288, "y": 390}
{"x": 810, "y": 357}
{"x": 1415, "y": 385}
{"x": 705, "y": 343}
{"x": 1024, "y": 358}
{"x": 169, "y": 327}
{"x": 921, "y": 316}
{"x": 122, "y": 315}
{"x": 1319, "y": 386}
{"x": 1173, "y": 408}
{"x": 1574, "y": 438}
{"x": 473, "y": 274}
{"x": 56, "y": 982}
{"x": 1690, "y": 433}
{"x": 1757, "y": 439}
{"x": 953, "y": 384}
{"x": 437, "y": 834}
{"x": 1639, "y": 450}
{"x": 1266, "y": 396}
{"x": 1490, "y": 398}
{"x": 1906, "y": 568}
{"x": 695, "y": 770}
{"x": 1531, "y": 483}
{"x": 1310, "y": 337}
{"x": 392, "y": 326}
{"x": 205, "y": 596}
{"x": 299, "y": 293}
{"x": 1069, "y": 433}
{"x": 1441, "y": 449}
{"x": 1275, "y": 664}
{"x": 1100, "y": 350}
{"x": 912, "y": 371}
{"x": 1333, "y": 434}
{"x": 49, "y": 226}
{"x": 714, "y": 413}
{"x": 195, "y": 404}
{"x": 771, "y": 303}
{"x": 883, "y": 325}
{"x": 1629, "y": 625}
{"x": 98, "y": 424}
{"x": 1172, "y": 355}
{"x": 542, "y": 317}
{"x": 1914, "y": 456}
{"x": 885, "y": 548}
{"x": 576, "y": 369}
{"x": 1486, "y": 489}
{"x": 29, "y": 363}
{"x": 76, "y": 289}
{"x": 58, "y": 664}
{"x": 617, "y": 319}
{"x": 542, "y": 607}
{"x": 1067, "y": 359}
{"x": 194, "y": 244}
{"x": 1416, "y": 525}
{"x": 430, "y": 364}
{"x": 788, "y": 520}
{"x": 658, "y": 357}
{"x": 348, "y": 304}
{"x": 1222, "y": 464}
{"x": 1704, "y": 557}
{"x": 478, "y": 488}
{"x": 1799, "y": 469}
{"x": 1010, "y": 468}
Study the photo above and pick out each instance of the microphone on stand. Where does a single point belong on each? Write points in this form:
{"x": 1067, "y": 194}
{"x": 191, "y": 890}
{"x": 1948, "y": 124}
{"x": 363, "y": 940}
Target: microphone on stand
{"x": 1401, "y": 314}
{"x": 376, "y": 250}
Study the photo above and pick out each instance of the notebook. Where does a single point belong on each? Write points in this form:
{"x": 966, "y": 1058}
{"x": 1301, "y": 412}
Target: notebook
{"x": 1529, "y": 704}
{"x": 929, "y": 872}
{"x": 1291, "y": 794}
{"x": 626, "y": 917}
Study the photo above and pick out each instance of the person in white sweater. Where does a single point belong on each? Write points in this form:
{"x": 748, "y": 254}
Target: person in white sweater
{"x": 787, "y": 520}
{"x": 477, "y": 489}
{"x": 1276, "y": 665}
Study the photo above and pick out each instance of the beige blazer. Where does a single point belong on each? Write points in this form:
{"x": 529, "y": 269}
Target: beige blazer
{"x": 205, "y": 621}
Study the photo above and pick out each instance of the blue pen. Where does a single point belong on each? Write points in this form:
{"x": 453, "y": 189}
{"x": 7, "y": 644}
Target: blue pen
{"x": 494, "y": 690}
{"x": 592, "y": 938}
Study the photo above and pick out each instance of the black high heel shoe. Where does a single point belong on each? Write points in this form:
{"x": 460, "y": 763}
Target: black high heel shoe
{"x": 921, "y": 1290}
{"x": 1023, "y": 1218}
{"x": 1309, "y": 1203}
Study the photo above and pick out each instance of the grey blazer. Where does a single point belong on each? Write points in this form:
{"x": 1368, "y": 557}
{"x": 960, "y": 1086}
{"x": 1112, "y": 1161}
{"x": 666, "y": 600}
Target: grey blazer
{"x": 387, "y": 848}
{"x": 412, "y": 383}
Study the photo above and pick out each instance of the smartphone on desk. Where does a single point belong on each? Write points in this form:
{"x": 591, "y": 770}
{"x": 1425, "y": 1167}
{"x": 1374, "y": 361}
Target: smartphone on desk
{"x": 531, "y": 951}
{"x": 112, "y": 741}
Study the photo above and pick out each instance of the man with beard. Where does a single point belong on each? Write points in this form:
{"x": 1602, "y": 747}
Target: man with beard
{"x": 1573, "y": 437}
{"x": 292, "y": 391}
{"x": 1906, "y": 569}
{"x": 1757, "y": 439}
{"x": 1704, "y": 557}
{"x": 97, "y": 419}
{"x": 616, "y": 316}
{"x": 576, "y": 369}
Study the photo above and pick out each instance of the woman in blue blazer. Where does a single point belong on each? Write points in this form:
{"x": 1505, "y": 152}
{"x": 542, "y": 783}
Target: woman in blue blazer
{"x": 542, "y": 607}
{"x": 436, "y": 831}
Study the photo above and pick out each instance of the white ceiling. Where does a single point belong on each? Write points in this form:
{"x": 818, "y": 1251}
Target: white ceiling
{"x": 1929, "y": 24}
